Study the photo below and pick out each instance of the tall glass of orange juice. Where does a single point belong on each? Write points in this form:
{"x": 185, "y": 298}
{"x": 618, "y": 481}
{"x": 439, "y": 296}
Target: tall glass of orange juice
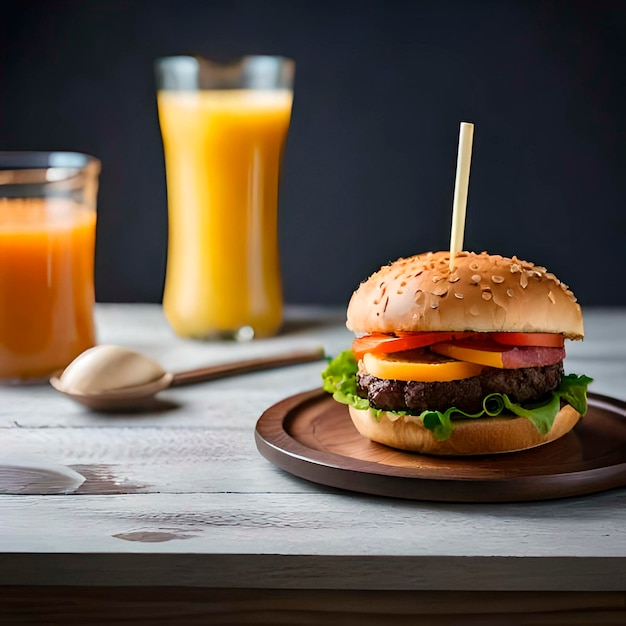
{"x": 224, "y": 128}
{"x": 47, "y": 240}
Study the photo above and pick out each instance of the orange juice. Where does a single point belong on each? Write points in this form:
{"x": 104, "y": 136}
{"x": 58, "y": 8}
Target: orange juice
{"x": 223, "y": 151}
{"x": 46, "y": 285}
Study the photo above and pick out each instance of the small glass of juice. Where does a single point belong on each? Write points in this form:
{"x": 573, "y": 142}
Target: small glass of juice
{"x": 224, "y": 128}
{"x": 47, "y": 243}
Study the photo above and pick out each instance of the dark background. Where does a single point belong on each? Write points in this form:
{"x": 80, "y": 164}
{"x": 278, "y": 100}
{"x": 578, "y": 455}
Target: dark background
{"x": 381, "y": 87}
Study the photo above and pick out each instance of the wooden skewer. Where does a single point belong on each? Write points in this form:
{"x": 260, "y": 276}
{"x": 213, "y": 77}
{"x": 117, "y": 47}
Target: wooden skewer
{"x": 461, "y": 186}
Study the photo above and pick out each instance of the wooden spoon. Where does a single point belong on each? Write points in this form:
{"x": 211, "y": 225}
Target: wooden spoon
{"x": 84, "y": 379}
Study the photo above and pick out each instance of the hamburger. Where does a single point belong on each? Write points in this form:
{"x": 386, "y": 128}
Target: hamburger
{"x": 460, "y": 359}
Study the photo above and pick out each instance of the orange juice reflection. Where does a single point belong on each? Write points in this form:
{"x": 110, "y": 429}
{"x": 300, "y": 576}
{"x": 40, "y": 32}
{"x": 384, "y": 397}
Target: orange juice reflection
{"x": 223, "y": 150}
{"x": 46, "y": 285}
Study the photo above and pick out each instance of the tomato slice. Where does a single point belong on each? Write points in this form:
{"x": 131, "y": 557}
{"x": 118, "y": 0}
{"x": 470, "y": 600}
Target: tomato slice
{"x": 381, "y": 343}
{"x": 546, "y": 340}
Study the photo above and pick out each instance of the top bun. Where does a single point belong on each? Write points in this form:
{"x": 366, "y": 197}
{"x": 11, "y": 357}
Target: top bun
{"x": 484, "y": 293}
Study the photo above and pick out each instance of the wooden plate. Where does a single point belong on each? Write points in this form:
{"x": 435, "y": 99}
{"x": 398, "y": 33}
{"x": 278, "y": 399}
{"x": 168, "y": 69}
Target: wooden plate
{"x": 312, "y": 436}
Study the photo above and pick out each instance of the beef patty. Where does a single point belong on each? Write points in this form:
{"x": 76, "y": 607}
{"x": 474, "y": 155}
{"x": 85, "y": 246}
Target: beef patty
{"x": 520, "y": 385}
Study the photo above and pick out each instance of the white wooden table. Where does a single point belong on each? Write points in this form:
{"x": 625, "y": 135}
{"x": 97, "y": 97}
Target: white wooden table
{"x": 176, "y": 513}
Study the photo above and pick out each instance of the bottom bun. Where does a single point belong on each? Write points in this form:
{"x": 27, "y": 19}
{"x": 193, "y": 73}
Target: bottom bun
{"x": 474, "y": 436}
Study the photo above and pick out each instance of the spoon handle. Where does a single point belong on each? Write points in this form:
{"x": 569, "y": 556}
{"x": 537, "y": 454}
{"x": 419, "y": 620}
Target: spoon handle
{"x": 224, "y": 370}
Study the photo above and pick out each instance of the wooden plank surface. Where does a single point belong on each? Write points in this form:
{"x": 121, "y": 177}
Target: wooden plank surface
{"x": 133, "y": 497}
{"x": 317, "y": 522}
{"x": 79, "y": 606}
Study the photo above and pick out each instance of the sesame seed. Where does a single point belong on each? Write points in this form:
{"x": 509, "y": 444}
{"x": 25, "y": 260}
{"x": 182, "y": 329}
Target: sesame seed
{"x": 497, "y": 279}
{"x": 515, "y": 268}
{"x": 523, "y": 280}
{"x": 475, "y": 278}
{"x": 551, "y": 297}
{"x": 458, "y": 295}
{"x": 454, "y": 278}
{"x": 474, "y": 312}
{"x": 486, "y": 295}
{"x": 510, "y": 293}
{"x": 474, "y": 267}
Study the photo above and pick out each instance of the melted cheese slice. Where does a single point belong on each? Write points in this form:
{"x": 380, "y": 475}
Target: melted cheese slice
{"x": 491, "y": 358}
{"x": 419, "y": 365}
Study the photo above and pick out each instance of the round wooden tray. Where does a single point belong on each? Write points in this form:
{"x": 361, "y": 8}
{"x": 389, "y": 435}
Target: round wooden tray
{"x": 312, "y": 436}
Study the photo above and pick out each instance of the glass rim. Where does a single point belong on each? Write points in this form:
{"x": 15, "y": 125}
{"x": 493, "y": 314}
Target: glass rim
{"x": 234, "y": 60}
{"x": 46, "y": 159}
{"x": 21, "y": 169}
{"x": 260, "y": 72}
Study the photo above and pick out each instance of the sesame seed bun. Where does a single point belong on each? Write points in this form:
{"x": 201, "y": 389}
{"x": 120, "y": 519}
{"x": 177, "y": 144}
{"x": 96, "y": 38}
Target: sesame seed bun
{"x": 484, "y": 293}
{"x": 475, "y": 436}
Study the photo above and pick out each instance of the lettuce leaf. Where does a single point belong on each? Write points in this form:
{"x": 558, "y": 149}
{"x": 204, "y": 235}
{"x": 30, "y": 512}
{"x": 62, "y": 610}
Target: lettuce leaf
{"x": 339, "y": 379}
